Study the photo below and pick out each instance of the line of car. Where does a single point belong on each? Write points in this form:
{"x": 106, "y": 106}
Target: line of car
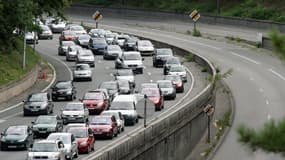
{"x": 114, "y": 103}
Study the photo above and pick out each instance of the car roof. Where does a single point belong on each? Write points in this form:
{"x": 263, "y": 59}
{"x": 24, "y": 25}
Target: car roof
{"x": 125, "y": 98}
{"x": 159, "y": 81}
{"x": 61, "y": 134}
{"x": 131, "y": 52}
{"x": 74, "y": 103}
{"x": 46, "y": 141}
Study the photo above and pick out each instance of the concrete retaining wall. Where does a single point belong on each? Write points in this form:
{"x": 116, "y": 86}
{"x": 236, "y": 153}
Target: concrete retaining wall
{"x": 161, "y": 15}
{"x": 17, "y": 87}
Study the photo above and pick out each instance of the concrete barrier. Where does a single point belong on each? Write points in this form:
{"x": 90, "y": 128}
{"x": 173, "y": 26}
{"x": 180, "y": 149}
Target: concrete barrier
{"x": 17, "y": 87}
{"x": 171, "y": 135}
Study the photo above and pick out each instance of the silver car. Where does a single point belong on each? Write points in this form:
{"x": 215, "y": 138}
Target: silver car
{"x": 126, "y": 74}
{"x": 74, "y": 112}
{"x": 119, "y": 118}
{"x": 63, "y": 47}
{"x": 69, "y": 141}
{"x": 145, "y": 47}
{"x": 51, "y": 149}
{"x": 178, "y": 70}
{"x": 82, "y": 40}
{"x": 71, "y": 54}
{"x": 167, "y": 89}
{"x": 82, "y": 71}
{"x": 85, "y": 56}
{"x": 112, "y": 52}
{"x": 130, "y": 60}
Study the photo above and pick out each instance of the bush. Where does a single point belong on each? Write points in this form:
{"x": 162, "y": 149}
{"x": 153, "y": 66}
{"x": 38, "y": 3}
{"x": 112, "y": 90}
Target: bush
{"x": 190, "y": 57}
{"x": 278, "y": 41}
{"x": 196, "y": 33}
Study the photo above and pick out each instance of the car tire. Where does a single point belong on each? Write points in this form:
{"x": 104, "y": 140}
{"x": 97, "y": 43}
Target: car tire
{"x": 141, "y": 71}
{"x": 137, "y": 120}
{"x": 46, "y": 111}
{"x": 123, "y": 129}
{"x": 174, "y": 97}
{"x": 112, "y": 135}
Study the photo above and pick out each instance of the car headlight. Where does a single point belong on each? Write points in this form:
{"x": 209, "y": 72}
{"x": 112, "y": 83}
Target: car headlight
{"x": 100, "y": 104}
{"x": 21, "y": 140}
{"x": 83, "y": 143}
{"x": 69, "y": 92}
{"x": 80, "y": 115}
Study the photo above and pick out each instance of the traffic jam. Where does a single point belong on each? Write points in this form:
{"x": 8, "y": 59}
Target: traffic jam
{"x": 98, "y": 114}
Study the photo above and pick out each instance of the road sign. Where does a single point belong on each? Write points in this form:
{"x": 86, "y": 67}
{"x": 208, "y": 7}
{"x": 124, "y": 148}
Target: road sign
{"x": 194, "y": 15}
{"x": 97, "y": 16}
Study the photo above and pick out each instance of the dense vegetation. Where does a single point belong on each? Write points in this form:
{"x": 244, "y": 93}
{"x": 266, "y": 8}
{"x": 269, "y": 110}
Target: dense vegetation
{"x": 18, "y": 15}
{"x": 258, "y": 9}
{"x": 278, "y": 40}
{"x": 270, "y": 138}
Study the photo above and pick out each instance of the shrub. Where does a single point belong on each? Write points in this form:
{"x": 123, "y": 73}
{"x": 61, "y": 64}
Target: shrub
{"x": 278, "y": 41}
{"x": 196, "y": 33}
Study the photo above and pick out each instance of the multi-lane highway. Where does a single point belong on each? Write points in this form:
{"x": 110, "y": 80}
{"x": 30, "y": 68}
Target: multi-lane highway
{"x": 257, "y": 82}
{"x": 102, "y": 72}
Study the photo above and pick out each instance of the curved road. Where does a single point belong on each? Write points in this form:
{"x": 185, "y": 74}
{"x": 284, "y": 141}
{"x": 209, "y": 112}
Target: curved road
{"x": 102, "y": 72}
{"x": 257, "y": 82}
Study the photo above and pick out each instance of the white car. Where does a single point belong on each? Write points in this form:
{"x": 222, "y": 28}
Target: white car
{"x": 69, "y": 141}
{"x": 112, "y": 52}
{"x": 51, "y": 149}
{"x": 77, "y": 29}
{"x": 126, "y": 74}
{"x": 85, "y": 56}
{"x": 45, "y": 32}
{"x": 110, "y": 37}
{"x": 126, "y": 104}
{"x": 57, "y": 26}
{"x": 31, "y": 38}
{"x": 178, "y": 70}
{"x": 82, "y": 71}
{"x": 145, "y": 47}
{"x": 130, "y": 60}
{"x": 71, "y": 53}
{"x": 97, "y": 32}
{"x": 119, "y": 118}
{"x": 74, "y": 112}
{"x": 120, "y": 39}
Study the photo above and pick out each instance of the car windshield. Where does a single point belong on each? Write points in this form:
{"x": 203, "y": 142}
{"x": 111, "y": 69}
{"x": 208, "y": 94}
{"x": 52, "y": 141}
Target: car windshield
{"x": 99, "y": 41}
{"x": 82, "y": 67}
{"x": 82, "y": 37}
{"x": 93, "y": 96}
{"x": 132, "y": 40}
{"x": 173, "y": 60}
{"x": 172, "y": 77}
{"x": 101, "y": 121}
{"x": 73, "y": 107}
{"x": 40, "y": 97}
{"x": 108, "y": 113}
{"x": 109, "y": 85}
{"x": 132, "y": 57}
{"x": 63, "y": 85}
{"x": 150, "y": 92}
{"x": 45, "y": 28}
{"x": 165, "y": 84}
{"x": 64, "y": 138}
{"x": 144, "y": 43}
{"x": 16, "y": 130}
{"x": 125, "y": 72}
{"x": 149, "y": 85}
{"x": 164, "y": 52}
{"x": 46, "y": 120}
{"x": 44, "y": 147}
{"x": 78, "y": 132}
{"x": 75, "y": 48}
{"x": 128, "y": 105}
{"x": 67, "y": 43}
{"x": 113, "y": 48}
{"x": 68, "y": 33}
{"x": 176, "y": 69}
{"x": 110, "y": 35}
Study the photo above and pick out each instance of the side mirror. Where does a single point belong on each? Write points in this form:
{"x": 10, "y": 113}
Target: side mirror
{"x": 2, "y": 133}
{"x": 33, "y": 122}
{"x": 142, "y": 59}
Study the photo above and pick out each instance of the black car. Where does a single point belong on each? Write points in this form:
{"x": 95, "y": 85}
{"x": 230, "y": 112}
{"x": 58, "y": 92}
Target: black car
{"x": 44, "y": 125}
{"x": 130, "y": 44}
{"x": 170, "y": 61}
{"x": 38, "y": 103}
{"x": 97, "y": 45}
{"x": 160, "y": 56}
{"x": 18, "y": 136}
{"x": 64, "y": 89}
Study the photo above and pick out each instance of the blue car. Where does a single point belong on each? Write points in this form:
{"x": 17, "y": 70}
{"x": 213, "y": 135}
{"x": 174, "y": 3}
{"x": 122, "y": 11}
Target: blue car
{"x": 97, "y": 45}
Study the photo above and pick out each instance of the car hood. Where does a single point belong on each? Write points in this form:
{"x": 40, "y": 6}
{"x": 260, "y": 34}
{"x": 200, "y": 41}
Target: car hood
{"x": 99, "y": 46}
{"x": 92, "y": 101}
{"x": 44, "y": 126}
{"x": 127, "y": 112}
{"x": 91, "y": 58}
{"x": 80, "y": 140}
{"x": 129, "y": 78}
{"x": 83, "y": 41}
{"x": 136, "y": 62}
{"x": 72, "y": 53}
{"x": 49, "y": 154}
{"x": 13, "y": 137}
{"x": 72, "y": 112}
{"x": 36, "y": 103}
{"x": 177, "y": 73}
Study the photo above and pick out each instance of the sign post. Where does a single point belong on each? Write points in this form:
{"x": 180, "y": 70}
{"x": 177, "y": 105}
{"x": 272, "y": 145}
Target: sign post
{"x": 145, "y": 98}
{"x": 97, "y": 16}
{"x": 194, "y": 16}
{"x": 209, "y": 110}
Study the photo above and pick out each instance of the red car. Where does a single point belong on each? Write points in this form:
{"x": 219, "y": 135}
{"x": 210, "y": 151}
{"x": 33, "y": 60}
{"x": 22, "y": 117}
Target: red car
{"x": 177, "y": 81}
{"x": 85, "y": 138}
{"x": 95, "y": 101}
{"x": 104, "y": 126}
{"x": 67, "y": 36}
{"x": 155, "y": 96}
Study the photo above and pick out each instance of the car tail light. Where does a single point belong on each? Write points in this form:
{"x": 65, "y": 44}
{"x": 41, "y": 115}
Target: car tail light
{"x": 156, "y": 100}
{"x": 179, "y": 84}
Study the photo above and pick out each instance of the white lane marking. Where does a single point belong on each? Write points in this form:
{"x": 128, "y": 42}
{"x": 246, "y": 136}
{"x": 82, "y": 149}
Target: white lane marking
{"x": 261, "y": 90}
{"x": 277, "y": 74}
{"x": 252, "y": 79}
{"x": 107, "y": 67}
{"x": 148, "y": 73}
{"x": 2, "y": 120}
{"x": 245, "y": 58}
{"x": 268, "y": 116}
{"x": 99, "y": 61}
{"x": 267, "y": 102}
{"x": 124, "y": 137}
{"x": 151, "y": 80}
{"x": 53, "y": 79}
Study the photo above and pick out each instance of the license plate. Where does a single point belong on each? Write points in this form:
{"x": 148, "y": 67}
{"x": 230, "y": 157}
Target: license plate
{"x": 71, "y": 118}
{"x": 42, "y": 131}
{"x": 98, "y": 132}
{"x": 12, "y": 146}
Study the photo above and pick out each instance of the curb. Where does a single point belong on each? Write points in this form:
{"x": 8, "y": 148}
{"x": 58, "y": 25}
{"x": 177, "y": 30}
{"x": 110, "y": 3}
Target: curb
{"x": 43, "y": 90}
{"x": 227, "y": 129}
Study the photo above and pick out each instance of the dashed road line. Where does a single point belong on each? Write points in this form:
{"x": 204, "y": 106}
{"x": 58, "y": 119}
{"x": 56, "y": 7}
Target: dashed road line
{"x": 276, "y": 73}
{"x": 245, "y": 58}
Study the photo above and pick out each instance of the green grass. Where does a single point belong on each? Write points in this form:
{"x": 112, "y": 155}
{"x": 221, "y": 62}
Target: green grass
{"x": 258, "y": 9}
{"x": 11, "y": 64}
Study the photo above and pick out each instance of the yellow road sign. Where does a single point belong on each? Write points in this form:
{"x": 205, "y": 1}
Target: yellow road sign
{"x": 194, "y": 15}
{"x": 97, "y": 16}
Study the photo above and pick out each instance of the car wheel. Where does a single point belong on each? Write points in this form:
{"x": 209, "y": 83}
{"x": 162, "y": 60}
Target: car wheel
{"x": 25, "y": 114}
{"x": 76, "y": 154}
{"x": 141, "y": 71}
{"x": 137, "y": 120}
{"x": 123, "y": 129}
{"x": 116, "y": 134}
{"x": 112, "y": 135}
{"x": 174, "y": 97}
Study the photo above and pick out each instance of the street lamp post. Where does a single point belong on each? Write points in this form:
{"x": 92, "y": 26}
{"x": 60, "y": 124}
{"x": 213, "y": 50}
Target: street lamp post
{"x": 145, "y": 98}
